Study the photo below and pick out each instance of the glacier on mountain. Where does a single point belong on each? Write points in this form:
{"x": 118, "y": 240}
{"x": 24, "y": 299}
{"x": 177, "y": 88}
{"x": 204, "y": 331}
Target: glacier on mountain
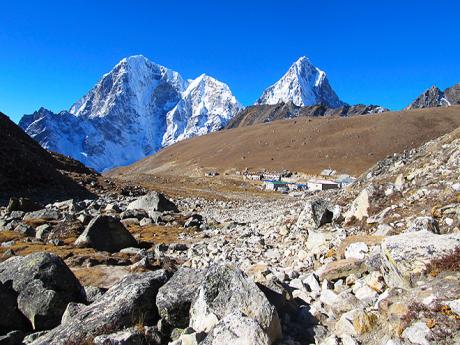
{"x": 304, "y": 85}
{"x": 133, "y": 111}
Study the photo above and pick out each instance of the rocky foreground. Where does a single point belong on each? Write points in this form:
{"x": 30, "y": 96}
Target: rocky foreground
{"x": 377, "y": 263}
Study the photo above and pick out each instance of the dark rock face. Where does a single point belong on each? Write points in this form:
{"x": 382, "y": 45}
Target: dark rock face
{"x": 106, "y": 233}
{"x": 12, "y": 318}
{"x": 268, "y": 113}
{"x": 453, "y": 94}
{"x": 22, "y": 204}
{"x": 151, "y": 202}
{"x": 130, "y": 302}
{"x": 44, "y": 284}
{"x": 434, "y": 97}
{"x": 175, "y": 297}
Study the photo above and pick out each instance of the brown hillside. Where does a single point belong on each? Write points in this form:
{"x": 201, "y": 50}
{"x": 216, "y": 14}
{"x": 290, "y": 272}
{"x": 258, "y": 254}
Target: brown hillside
{"x": 308, "y": 145}
{"x": 26, "y": 169}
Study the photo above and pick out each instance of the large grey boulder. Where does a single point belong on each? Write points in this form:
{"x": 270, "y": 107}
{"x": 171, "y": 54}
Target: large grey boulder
{"x": 12, "y": 318}
{"x": 175, "y": 297}
{"x": 135, "y": 213}
{"x": 237, "y": 329}
{"x": 316, "y": 212}
{"x": 128, "y": 303}
{"x": 44, "y": 284}
{"x": 153, "y": 201}
{"x": 106, "y": 233}
{"x": 225, "y": 290}
{"x": 405, "y": 256}
{"x": 42, "y": 215}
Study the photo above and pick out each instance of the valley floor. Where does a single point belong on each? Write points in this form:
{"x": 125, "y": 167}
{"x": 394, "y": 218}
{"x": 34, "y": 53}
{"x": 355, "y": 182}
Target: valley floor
{"x": 374, "y": 263}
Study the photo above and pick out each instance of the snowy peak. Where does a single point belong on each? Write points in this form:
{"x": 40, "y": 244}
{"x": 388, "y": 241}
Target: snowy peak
{"x": 132, "y": 112}
{"x": 133, "y": 80}
{"x": 304, "y": 85}
{"x": 206, "y": 106}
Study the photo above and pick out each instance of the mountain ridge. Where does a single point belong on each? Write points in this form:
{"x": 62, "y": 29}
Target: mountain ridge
{"x": 435, "y": 97}
{"x": 272, "y": 112}
{"x": 126, "y": 115}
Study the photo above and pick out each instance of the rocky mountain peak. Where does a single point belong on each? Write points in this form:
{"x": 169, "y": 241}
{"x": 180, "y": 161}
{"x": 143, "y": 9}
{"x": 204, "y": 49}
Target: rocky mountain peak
{"x": 130, "y": 111}
{"x": 304, "y": 85}
{"x": 435, "y": 97}
{"x": 211, "y": 106}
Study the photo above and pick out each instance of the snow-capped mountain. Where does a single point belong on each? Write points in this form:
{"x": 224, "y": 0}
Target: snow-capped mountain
{"x": 434, "y": 97}
{"x": 132, "y": 112}
{"x": 304, "y": 85}
{"x": 206, "y": 106}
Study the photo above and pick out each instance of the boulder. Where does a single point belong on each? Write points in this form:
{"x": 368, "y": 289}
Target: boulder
{"x": 24, "y": 229}
{"x": 341, "y": 269}
{"x": 31, "y": 337}
{"x": 237, "y": 329}
{"x": 42, "y": 215}
{"x": 194, "y": 221}
{"x": 135, "y": 213}
{"x": 12, "y": 318}
{"x": 424, "y": 224}
{"x": 316, "y": 212}
{"x": 93, "y": 293}
{"x": 106, "y": 233}
{"x": 42, "y": 231}
{"x": 360, "y": 206}
{"x": 67, "y": 205}
{"x": 71, "y": 310}
{"x": 126, "y": 304}
{"x": 44, "y": 284}
{"x": 129, "y": 336}
{"x": 318, "y": 241}
{"x": 153, "y": 201}
{"x": 22, "y": 204}
{"x": 405, "y": 256}
{"x": 357, "y": 250}
{"x": 225, "y": 290}
{"x": 418, "y": 333}
{"x": 175, "y": 297}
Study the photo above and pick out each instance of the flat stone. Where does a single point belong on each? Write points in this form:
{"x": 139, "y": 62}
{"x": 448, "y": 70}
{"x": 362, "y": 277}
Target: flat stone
{"x": 405, "y": 256}
{"x": 417, "y": 333}
{"x": 356, "y": 250}
{"x": 340, "y": 269}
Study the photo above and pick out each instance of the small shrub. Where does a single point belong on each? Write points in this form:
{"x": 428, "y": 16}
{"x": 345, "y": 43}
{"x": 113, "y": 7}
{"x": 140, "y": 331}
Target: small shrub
{"x": 449, "y": 262}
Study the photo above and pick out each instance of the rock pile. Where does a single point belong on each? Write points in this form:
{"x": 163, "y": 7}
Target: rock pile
{"x": 377, "y": 263}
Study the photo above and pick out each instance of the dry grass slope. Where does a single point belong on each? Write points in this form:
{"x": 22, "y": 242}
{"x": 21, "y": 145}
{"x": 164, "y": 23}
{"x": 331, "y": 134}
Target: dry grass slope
{"x": 307, "y": 145}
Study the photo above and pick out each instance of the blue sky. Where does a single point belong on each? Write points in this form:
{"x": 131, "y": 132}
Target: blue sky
{"x": 379, "y": 52}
